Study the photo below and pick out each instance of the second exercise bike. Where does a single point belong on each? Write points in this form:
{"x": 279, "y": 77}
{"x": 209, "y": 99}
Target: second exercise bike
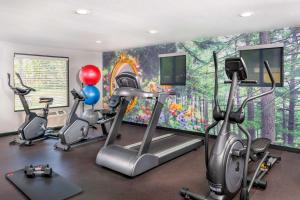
{"x": 75, "y": 132}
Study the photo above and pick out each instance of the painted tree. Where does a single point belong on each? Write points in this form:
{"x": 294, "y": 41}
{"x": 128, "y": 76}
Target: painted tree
{"x": 284, "y": 120}
{"x": 198, "y": 92}
{"x": 282, "y": 93}
{"x": 292, "y": 87}
{"x": 267, "y": 103}
{"x": 250, "y": 105}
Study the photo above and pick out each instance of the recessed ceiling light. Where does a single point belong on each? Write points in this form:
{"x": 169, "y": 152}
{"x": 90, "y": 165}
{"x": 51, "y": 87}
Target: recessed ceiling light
{"x": 246, "y": 14}
{"x": 153, "y": 31}
{"x": 82, "y": 11}
{"x": 98, "y": 41}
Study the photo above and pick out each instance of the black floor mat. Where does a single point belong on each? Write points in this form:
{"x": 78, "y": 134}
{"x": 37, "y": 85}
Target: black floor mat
{"x": 54, "y": 188}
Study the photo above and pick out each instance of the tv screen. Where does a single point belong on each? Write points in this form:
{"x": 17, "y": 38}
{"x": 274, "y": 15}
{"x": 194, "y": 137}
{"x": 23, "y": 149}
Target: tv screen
{"x": 172, "y": 69}
{"x": 254, "y": 57}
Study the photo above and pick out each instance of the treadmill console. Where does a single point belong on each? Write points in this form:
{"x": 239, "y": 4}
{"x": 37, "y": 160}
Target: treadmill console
{"x": 128, "y": 79}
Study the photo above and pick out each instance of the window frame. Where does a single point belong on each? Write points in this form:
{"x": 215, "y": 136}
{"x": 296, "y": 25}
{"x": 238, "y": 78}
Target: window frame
{"x": 172, "y": 55}
{"x": 49, "y": 56}
{"x": 260, "y": 48}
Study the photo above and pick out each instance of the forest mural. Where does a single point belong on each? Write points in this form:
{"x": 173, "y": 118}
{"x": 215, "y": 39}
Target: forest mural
{"x": 274, "y": 116}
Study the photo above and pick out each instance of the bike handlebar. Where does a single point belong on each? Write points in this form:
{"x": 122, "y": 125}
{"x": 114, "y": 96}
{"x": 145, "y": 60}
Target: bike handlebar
{"x": 78, "y": 95}
{"x": 9, "y": 84}
{"x": 21, "y": 81}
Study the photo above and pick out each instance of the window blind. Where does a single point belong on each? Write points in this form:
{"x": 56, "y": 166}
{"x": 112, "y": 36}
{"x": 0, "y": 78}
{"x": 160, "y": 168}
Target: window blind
{"x": 47, "y": 74}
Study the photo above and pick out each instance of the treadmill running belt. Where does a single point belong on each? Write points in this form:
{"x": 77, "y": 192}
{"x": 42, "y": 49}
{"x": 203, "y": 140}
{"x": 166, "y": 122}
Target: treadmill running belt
{"x": 166, "y": 143}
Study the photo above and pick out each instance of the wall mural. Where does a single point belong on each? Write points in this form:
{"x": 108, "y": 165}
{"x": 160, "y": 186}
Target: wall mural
{"x": 274, "y": 116}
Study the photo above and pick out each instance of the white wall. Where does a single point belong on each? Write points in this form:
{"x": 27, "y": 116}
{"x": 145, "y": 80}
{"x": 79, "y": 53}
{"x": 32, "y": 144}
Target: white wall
{"x": 10, "y": 120}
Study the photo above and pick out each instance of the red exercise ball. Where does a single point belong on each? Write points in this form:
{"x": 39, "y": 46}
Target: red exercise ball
{"x": 90, "y": 75}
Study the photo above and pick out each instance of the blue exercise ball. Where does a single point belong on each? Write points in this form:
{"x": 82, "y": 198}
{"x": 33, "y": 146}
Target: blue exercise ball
{"x": 92, "y": 94}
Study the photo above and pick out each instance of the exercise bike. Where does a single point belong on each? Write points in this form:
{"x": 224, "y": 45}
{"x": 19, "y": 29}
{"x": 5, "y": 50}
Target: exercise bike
{"x": 227, "y": 164}
{"x": 75, "y": 131}
{"x": 108, "y": 115}
{"x": 35, "y": 127}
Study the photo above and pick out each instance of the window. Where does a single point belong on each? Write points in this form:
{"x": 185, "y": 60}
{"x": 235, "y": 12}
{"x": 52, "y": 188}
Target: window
{"x": 49, "y": 75}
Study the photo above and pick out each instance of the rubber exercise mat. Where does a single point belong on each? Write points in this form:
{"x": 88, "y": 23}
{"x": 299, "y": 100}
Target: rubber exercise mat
{"x": 46, "y": 188}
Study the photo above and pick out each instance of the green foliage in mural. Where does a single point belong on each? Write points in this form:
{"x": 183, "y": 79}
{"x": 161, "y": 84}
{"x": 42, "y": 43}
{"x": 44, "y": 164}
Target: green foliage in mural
{"x": 274, "y": 116}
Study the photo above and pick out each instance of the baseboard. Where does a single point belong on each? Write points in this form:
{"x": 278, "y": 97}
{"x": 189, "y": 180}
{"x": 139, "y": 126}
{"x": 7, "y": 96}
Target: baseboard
{"x": 272, "y": 146}
{"x": 15, "y": 132}
{"x": 8, "y": 134}
{"x": 284, "y": 148}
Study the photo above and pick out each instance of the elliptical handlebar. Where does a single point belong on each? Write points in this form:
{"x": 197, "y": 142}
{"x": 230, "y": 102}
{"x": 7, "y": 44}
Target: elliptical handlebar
{"x": 217, "y": 110}
{"x": 267, "y": 66}
{"x": 216, "y": 80}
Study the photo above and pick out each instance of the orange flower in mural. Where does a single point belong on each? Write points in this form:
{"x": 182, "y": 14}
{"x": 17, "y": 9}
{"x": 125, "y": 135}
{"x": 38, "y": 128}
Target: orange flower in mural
{"x": 174, "y": 107}
{"x": 152, "y": 87}
{"x": 189, "y": 112}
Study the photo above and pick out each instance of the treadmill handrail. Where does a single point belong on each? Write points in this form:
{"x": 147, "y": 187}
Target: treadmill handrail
{"x": 133, "y": 92}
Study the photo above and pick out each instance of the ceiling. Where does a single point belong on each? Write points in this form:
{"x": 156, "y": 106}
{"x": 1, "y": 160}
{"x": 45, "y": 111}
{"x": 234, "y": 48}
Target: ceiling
{"x": 125, "y": 23}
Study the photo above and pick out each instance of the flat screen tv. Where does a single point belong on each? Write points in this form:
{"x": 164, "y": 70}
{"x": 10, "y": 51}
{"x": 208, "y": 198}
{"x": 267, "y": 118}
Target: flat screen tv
{"x": 254, "y": 57}
{"x": 172, "y": 69}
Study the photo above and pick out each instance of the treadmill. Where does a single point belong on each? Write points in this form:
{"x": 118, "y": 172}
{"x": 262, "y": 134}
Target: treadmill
{"x": 140, "y": 157}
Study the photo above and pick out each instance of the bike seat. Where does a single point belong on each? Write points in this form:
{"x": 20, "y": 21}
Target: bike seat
{"x": 46, "y": 100}
{"x": 22, "y": 91}
{"x": 260, "y": 145}
{"x": 106, "y": 113}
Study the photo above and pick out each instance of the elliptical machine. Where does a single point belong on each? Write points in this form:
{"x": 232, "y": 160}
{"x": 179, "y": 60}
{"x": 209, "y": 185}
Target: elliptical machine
{"x": 75, "y": 131}
{"x": 227, "y": 164}
{"x": 35, "y": 127}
